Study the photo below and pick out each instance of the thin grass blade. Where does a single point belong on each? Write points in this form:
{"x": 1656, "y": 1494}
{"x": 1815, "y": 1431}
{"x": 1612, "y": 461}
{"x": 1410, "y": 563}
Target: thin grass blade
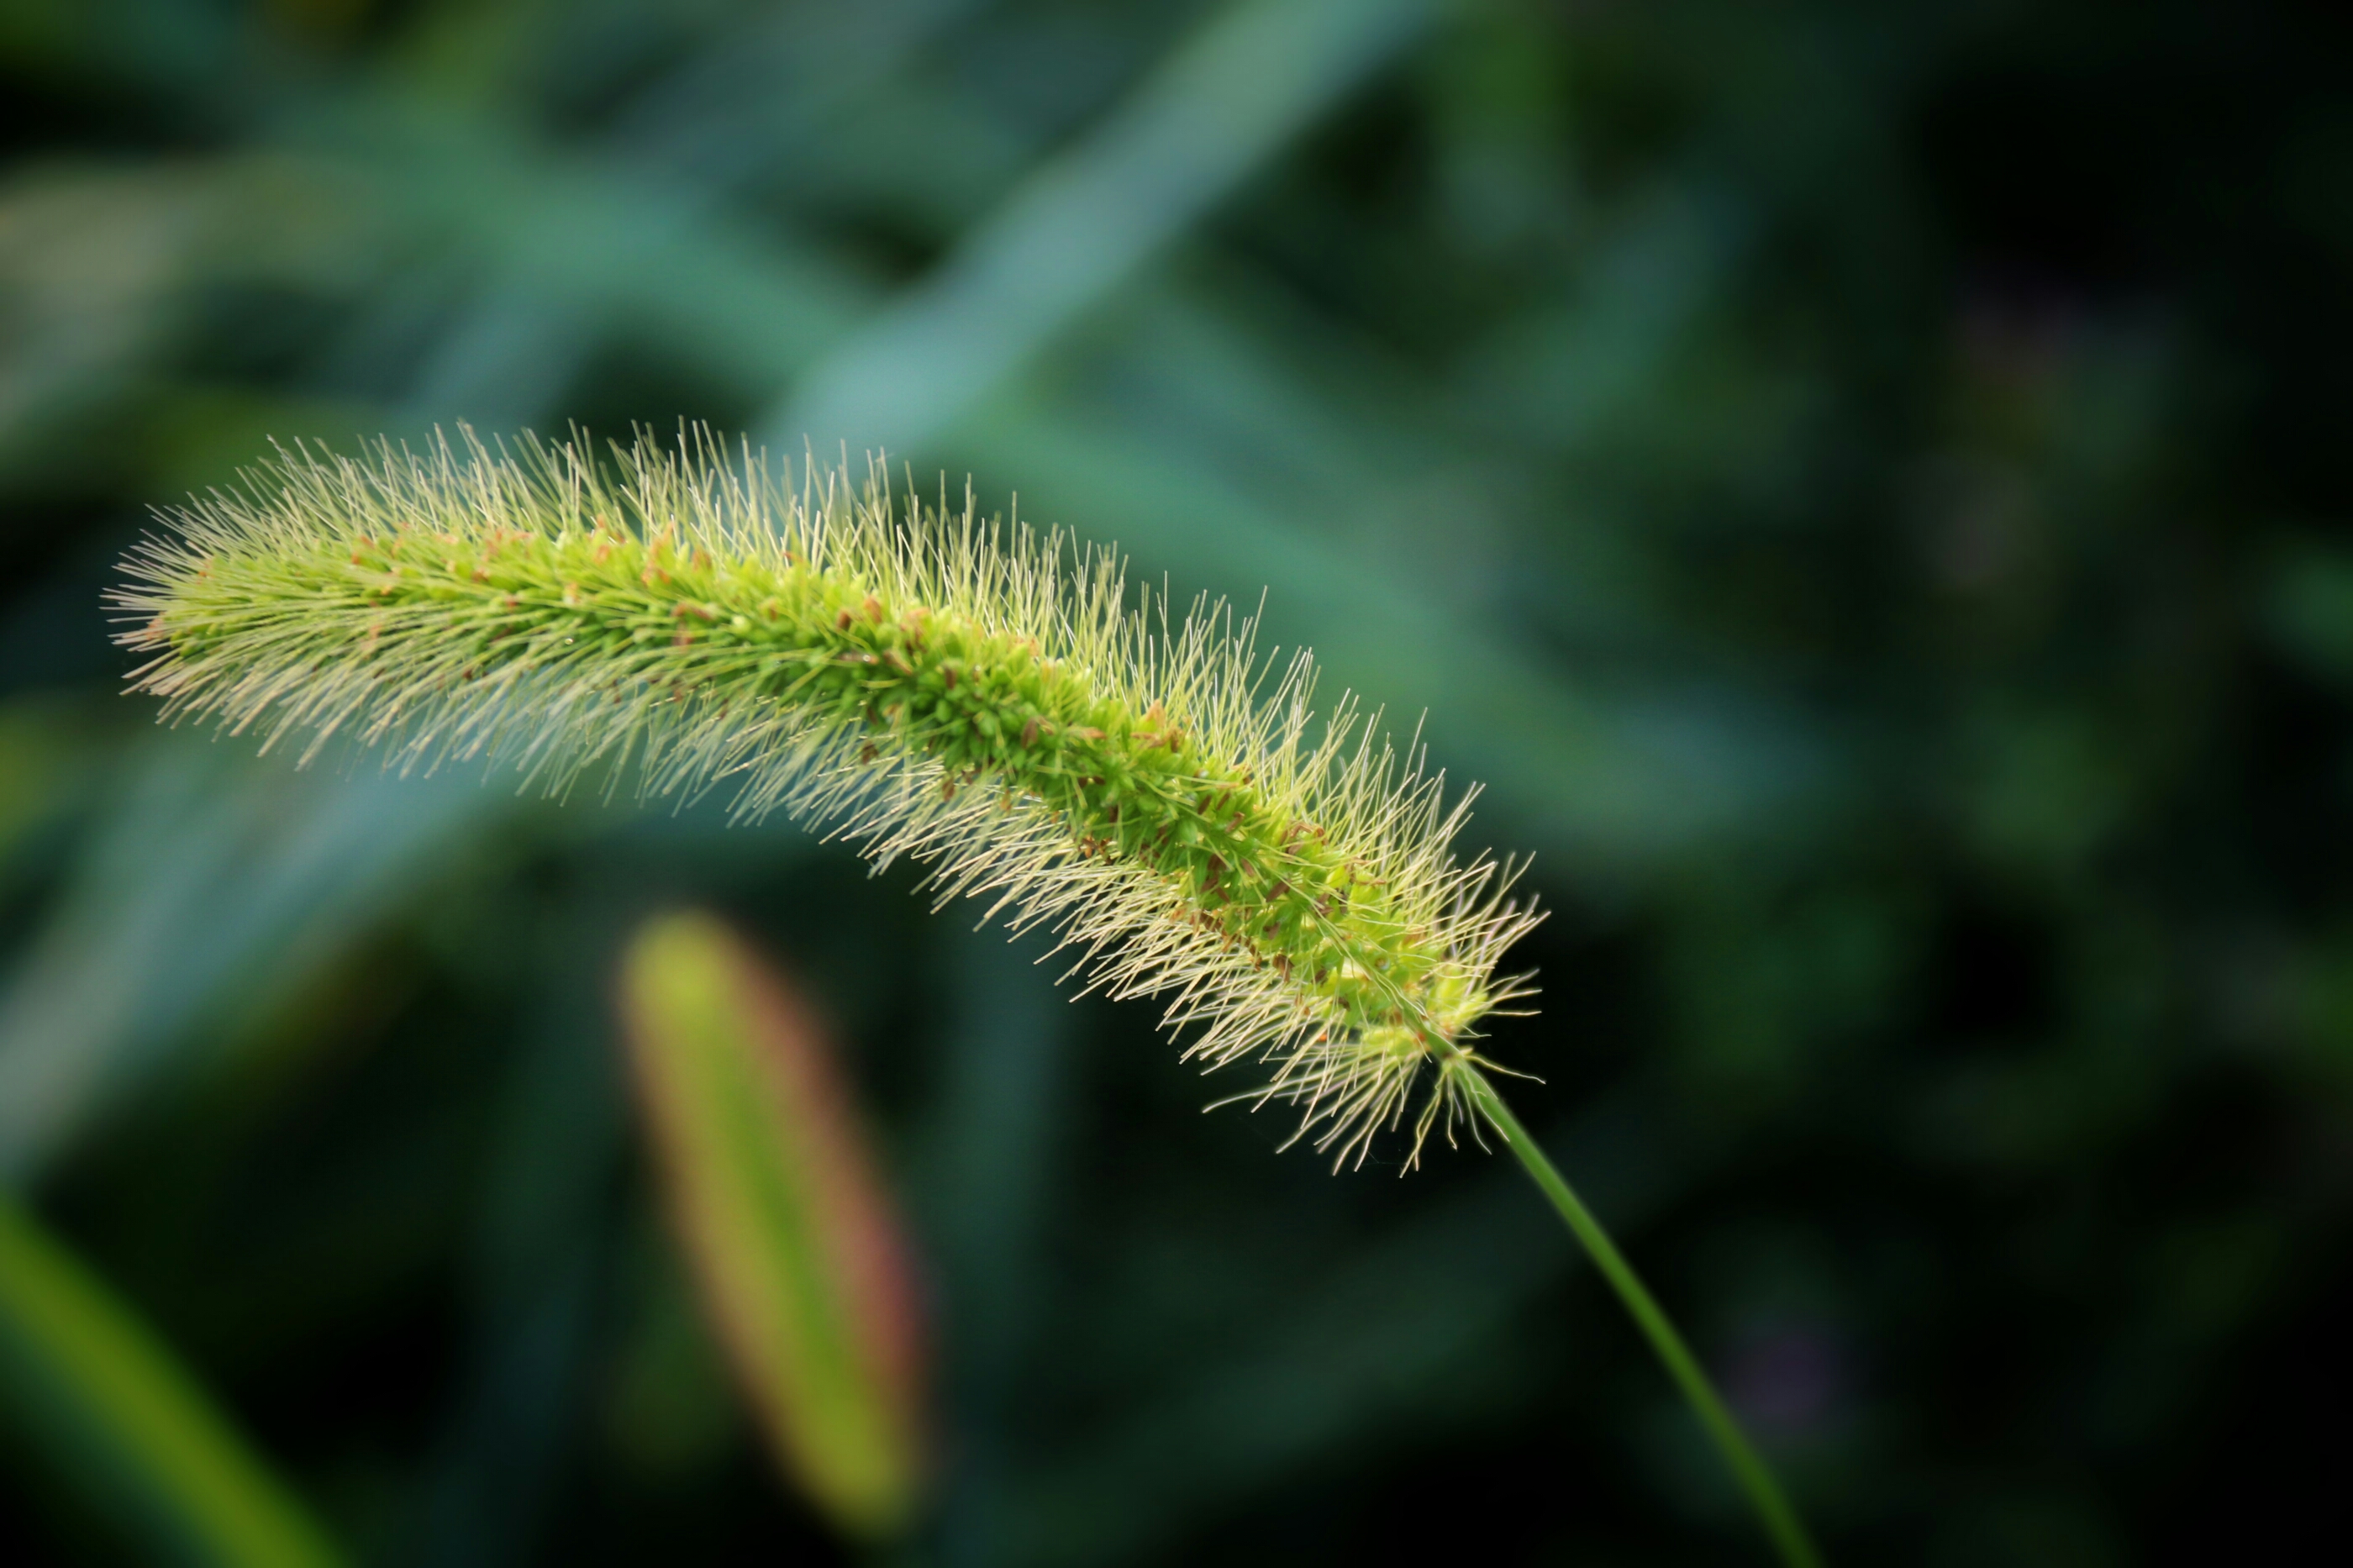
{"x": 92, "y": 1387}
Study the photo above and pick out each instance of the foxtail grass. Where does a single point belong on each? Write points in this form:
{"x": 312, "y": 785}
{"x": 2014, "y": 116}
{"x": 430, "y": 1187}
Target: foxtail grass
{"x": 997, "y": 702}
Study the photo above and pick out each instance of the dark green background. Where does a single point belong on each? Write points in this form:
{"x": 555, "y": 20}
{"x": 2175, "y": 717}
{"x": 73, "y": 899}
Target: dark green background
{"x": 1865, "y": 486}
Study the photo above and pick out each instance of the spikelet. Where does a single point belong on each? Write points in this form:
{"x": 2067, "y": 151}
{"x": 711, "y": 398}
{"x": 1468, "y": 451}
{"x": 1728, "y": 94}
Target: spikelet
{"x": 923, "y": 682}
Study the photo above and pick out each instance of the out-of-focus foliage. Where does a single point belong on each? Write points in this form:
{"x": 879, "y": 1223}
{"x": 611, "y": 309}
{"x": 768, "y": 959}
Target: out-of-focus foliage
{"x": 775, "y": 1197}
{"x": 1864, "y": 484}
{"x": 84, "y": 1380}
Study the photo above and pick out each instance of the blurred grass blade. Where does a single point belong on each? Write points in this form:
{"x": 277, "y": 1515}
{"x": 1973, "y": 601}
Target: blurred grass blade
{"x": 1233, "y": 96}
{"x": 92, "y": 1386}
{"x": 210, "y": 884}
{"x": 793, "y": 1242}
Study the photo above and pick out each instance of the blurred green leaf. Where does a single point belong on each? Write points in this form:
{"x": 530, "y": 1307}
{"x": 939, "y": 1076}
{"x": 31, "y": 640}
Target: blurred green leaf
{"x": 2309, "y": 605}
{"x": 1234, "y": 94}
{"x": 40, "y": 756}
{"x": 128, "y": 1424}
{"x": 791, "y": 1235}
{"x": 212, "y": 881}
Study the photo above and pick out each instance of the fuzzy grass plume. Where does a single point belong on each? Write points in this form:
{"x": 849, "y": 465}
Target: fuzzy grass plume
{"x": 928, "y": 684}
{"x": 916, "y": 679}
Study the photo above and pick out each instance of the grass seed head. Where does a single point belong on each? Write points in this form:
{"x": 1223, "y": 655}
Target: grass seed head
{"x": 923, "y": 681}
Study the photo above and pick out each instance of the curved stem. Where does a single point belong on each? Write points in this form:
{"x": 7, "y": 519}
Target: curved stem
{"x": 1765, "y": 1495}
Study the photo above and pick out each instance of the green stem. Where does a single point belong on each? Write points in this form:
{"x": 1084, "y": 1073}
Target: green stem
{"x": 1773, "y": 1510}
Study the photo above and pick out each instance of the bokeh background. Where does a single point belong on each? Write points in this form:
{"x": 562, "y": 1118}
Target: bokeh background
{"x": 1865, "y": 486}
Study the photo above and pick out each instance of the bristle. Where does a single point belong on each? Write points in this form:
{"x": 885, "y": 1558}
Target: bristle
{"x": 924, "y": 682}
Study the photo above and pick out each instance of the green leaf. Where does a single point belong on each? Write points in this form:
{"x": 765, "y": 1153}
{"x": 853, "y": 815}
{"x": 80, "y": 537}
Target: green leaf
{"x": 207, "y": 886}
{"x": 792, "y": 1238}
{"x": 94, "y": 1389}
